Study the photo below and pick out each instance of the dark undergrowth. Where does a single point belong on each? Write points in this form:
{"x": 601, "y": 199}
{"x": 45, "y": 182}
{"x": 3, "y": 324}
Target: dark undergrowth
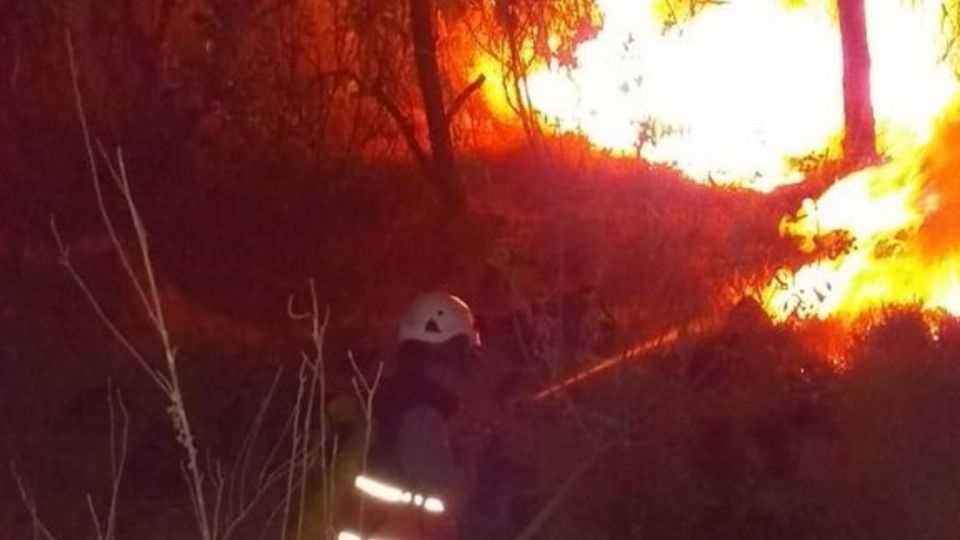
{"x": 740, "y": 433}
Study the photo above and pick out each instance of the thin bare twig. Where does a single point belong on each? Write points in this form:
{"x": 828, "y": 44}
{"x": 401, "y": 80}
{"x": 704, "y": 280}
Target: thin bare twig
{"x": 294, "y": 448}
{"x": 265, "y": 472}
{"x": 268, "y": 481}
{"x": 317, "y": 384}
{"x": 118, "y": 455}
{"x": 39, "y": 528}
{"x": 238, "y": 477}
{"x": 149, "y": 293}
{"x": 305, "y": 461}
{"x": 95, "y": 176}
{"x": 319, "y": 339}
{"x": 93, "y": 517}
{"x": 156, "y": 376}
{"x": 365, "y": 391}
{"x": 219, "y": 493}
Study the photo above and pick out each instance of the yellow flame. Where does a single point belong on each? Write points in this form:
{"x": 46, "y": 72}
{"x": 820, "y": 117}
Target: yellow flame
{"x": 713, "y": 93}
{"x": 736, "y": 91}
{"x": 904, "y": 237}
{"x": 911, "y": 80}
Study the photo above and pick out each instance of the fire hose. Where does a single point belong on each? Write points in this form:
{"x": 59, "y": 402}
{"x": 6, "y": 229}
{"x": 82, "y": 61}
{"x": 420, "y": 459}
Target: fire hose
{"x": 395, "y": 495}
{"x": 637, "y": 352}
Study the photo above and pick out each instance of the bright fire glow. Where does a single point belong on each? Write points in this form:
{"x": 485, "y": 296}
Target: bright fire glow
{"x": 739, "y": 91}
{"x": 742, "y": 87}
{"x": 904, "y": 230}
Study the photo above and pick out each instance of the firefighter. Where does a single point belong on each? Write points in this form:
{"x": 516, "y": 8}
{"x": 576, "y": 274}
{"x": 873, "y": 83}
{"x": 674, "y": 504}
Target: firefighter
{"x": 414, "y": 486}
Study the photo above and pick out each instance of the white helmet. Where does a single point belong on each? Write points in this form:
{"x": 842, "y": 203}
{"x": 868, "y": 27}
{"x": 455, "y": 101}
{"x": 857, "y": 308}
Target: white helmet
{"x": 437, "y": 317}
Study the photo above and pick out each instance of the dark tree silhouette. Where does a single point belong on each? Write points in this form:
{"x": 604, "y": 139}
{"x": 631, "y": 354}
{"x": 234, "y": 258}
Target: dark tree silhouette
{"x": 443, "y": 167}
{"x": 859, "y": 143}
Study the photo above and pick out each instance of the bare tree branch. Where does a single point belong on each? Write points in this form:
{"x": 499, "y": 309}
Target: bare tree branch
{"x": 238, "y": 477}
{"x": 365, "y": 391}
{"x": 156, "y": 376}
{"x": 407, "y": 131}
{"x": 93, "y": 517}
{"x": 95, "y": 176}
{"x": 462, "y": 98}
{"x": 149, "y": 292}
{"x": 405, "y": 126}
{"x": 118, "y": 455}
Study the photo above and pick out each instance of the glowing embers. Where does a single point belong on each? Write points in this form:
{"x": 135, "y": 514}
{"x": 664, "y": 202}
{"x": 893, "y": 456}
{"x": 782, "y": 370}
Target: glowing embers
{"x": 740, "y": 91}
{"x": 395, "y": 495}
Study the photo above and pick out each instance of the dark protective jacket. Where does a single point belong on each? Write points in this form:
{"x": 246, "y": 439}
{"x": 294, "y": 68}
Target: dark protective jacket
{"x": 411, "y": 448}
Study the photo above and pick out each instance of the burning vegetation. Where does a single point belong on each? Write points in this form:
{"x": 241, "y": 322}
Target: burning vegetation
{"x": 886, "y": 236}
{"x": 713, "y": 249}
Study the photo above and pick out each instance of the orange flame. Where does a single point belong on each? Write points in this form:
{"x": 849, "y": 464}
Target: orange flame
{"x": 743, "y": 88}
{"x": 897, "y": 222}
{"x": 902, "y": 223}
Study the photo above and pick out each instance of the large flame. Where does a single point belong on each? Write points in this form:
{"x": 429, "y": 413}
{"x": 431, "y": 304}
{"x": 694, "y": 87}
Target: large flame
{"x": 741, "y": 89}
{"x": 899, "y": 236}
{"x": 889, "y": 234}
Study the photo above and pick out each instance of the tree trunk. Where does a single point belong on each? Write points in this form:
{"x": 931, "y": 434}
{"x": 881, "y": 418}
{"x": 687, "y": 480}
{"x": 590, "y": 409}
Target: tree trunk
{"x": 859, "y": 143}
{"x": 444, "y": 171}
